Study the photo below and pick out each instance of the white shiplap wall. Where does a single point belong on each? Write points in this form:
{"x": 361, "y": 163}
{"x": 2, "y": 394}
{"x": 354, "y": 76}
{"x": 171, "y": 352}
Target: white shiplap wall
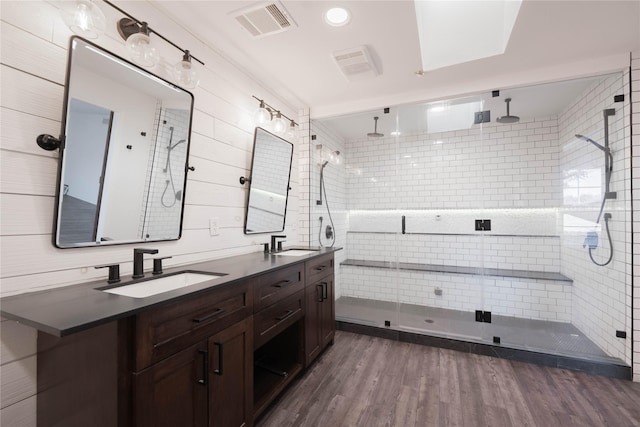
{"x": 33, "y": 62}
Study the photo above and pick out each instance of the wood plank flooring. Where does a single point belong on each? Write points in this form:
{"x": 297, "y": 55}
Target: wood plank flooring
{"x": 368, "y": 381}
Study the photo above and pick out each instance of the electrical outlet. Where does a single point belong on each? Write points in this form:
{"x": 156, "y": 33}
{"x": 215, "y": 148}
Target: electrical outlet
{"x": 213, "y": 226}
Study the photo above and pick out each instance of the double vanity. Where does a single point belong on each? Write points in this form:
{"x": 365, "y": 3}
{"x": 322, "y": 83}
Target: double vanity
{"x": 210, "y": 344}
{"x": 214, "y": 347}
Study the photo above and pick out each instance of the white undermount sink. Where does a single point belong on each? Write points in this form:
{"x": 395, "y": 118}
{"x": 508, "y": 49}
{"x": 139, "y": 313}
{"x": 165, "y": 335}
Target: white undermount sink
{"x": 296, "y": 252}
{"x": 159, "y": 285}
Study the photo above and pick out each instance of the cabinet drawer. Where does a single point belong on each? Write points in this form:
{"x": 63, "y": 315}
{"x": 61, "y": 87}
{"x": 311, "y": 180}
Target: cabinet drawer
{"x": 319, "y": 267}
{"x": 273, "y": 287}
{"x": 167, "y": 329}
{"x": 275, "y": 319}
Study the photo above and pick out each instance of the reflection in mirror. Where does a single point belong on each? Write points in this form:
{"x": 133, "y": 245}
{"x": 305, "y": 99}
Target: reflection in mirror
{"x": 269, "y": 187}
{"x": 123, "y": 161}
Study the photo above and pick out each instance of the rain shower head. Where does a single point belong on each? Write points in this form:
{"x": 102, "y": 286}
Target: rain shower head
{"x": 375, "y": 133}
{"x": 334, "y": 157}
{"x": 585, "y": 138}
{"x": 508, "y": 118}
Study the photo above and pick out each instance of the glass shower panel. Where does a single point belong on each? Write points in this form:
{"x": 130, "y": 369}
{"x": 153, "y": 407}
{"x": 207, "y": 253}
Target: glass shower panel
{"x": 440, "y": 261}
{"x": 541, "y": 286}
{"x": 444, "y": 222}
{"x": 366, "y": 281}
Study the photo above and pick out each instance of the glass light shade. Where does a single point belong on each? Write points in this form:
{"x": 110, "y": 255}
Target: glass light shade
{"x": 141, "y": 50}
{"x": 185, "y": 75}
{"x": 291, "y": 131}
{"x": 262, "y": 116}
{"x": 279, "y": 124}
{"x": 84, "y": 18}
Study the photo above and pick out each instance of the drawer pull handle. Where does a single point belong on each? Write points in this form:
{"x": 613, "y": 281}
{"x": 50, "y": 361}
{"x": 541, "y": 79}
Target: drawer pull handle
{"x": 220, "y": 353}
{"x": 281, "y": 284}
{"x": 287, "y": 314}
{"x": 205, "y": 367}
{"x": 322, "y": 267}
{"x": 324, "y": 290}
{"x": 320, "y": 289}
{"x": 208, "y": 316}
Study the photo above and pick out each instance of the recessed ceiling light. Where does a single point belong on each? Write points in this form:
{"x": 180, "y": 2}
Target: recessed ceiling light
{"x": 337, "y": 16}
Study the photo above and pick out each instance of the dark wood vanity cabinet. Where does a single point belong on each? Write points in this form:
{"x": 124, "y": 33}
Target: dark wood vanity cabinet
{"x": 210, "y": 382}
{"x": 214, "y": 359}
{"x": 173, "y": 392}
{"x": 231, "y": 376}
{"x": 207, "y": 384}
{"x": 320, "y": 307}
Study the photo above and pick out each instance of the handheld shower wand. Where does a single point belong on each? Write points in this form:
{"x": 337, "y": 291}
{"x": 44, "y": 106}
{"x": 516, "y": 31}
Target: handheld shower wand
{"x": 592, "y": 237}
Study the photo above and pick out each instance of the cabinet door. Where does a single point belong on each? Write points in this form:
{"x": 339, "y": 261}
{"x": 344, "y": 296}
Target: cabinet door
{"x": 312, "y": 322}
{"x": 231, "y": 376}
{"x": 173, "y": 392}
{"x": 327, "y": 312}
{"x": 320, "y": 319}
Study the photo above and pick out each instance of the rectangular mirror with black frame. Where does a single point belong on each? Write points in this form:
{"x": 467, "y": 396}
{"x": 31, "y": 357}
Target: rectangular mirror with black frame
{"x": 269, "y": 184}
{"x": 123, "y": 156}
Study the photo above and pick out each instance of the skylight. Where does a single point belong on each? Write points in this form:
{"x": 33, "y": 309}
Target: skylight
{"x": 454, "y": 32}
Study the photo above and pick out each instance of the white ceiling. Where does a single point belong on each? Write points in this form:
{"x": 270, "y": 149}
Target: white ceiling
{"x": 548, "y": 34}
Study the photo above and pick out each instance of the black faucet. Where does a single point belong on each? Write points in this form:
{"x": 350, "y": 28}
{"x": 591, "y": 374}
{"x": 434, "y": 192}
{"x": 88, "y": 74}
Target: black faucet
{"x": 273, "y": 241}
{"x": 138, "y": 264}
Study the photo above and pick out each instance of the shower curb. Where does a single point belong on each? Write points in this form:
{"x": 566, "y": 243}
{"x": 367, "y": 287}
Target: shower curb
{"x": 610, "y": 370}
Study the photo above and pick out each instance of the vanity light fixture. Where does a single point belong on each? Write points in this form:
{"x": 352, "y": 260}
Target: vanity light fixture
{"x": 291, "y": 132}
{"x": 138, "y": 42}
{"x": 337, "y": 16}
{"x": 184, "y": 72}
{"x": 137, "y": 32}
{"x": 84, "y": 18}
{"x": 262, "y": 115}
{"x": 280, "y": 123}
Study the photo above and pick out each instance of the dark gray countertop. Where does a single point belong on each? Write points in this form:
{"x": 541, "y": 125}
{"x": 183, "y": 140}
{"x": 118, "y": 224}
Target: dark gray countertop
{"x": 66, "y": 310}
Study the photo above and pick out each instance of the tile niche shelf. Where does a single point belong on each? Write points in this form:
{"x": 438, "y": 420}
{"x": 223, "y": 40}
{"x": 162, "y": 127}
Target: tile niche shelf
{"x": 454, "y": 269}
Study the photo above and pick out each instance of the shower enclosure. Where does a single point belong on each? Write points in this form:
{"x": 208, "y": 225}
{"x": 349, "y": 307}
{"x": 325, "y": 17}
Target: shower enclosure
{"x": 457, "y": 225}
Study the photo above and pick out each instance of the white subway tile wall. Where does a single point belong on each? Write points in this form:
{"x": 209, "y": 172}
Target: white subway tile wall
{"x": 635, "y": 183}
{"x": 498, "y": 166}
{"x": 599, "y": 293}
{"x": 524, "y": 298}
{"x": 161, "y": 209}
{"x": 334, "y": 197}
{"x": 505, "y": 252}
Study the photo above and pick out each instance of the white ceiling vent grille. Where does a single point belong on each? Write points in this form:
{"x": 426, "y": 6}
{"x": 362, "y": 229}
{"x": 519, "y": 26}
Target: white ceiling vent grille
{"x": 264, "y": 19}
{"x": 355, "y": 63}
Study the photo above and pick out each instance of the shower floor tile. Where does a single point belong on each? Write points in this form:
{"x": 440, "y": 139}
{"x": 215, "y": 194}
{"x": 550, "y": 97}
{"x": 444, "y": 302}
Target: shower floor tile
{"x": 534, "y": 335}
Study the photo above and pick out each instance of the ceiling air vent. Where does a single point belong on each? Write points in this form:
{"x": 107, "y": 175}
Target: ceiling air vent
{"x": 355, "y": 63}
{"x": 264, "y": 18}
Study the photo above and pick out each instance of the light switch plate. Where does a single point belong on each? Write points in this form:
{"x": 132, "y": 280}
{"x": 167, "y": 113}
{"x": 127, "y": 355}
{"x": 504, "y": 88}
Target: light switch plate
{"x": 213, "y": 226}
